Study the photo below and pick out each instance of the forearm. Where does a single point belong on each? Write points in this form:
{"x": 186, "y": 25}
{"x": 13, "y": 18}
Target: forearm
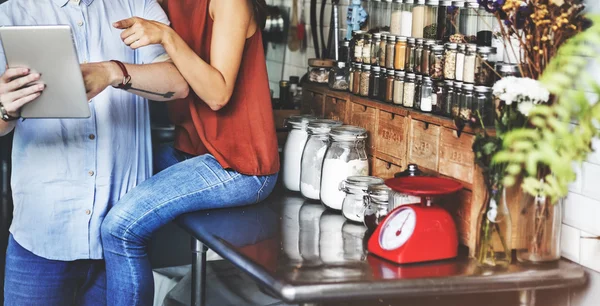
{"x": 6, "y": 127}
{"x": 158, "y": 81}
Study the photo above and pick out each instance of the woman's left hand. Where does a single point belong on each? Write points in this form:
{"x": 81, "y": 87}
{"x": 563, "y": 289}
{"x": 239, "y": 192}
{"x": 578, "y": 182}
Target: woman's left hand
{"x": 140, "y": 32}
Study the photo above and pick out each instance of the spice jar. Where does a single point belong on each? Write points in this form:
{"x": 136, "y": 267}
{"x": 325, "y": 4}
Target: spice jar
{"x": 456, "y": 99}
{"x": 409, "y": 90}
{"x": 466, "y": 102}
{"x": 484, "y": 104}
{"x": 469, "y": 70}
{"x": 449, "y": 95}
{"x": 382, "y": 85}
{"x": 312, "y": 156}
{"x": 450, "y": 61}
{"x": 468, "y": 21}
{"x": 366, "y": 53}
{"x": 351, "y": 76}
{"x": 346, "y": 156}
{"x": 428, "y": 98}
{"x": 425, "y": 54}
{"x": 386, "y": 15}
{"x": 355, "y": 187}
{"x": 418, "y": 18}
{"x": 400, "y": 52}
{"x": 356, "y": 78}
{"x": 484, "y": 71}
{"x": 418, "y": 53}
{"x": 375, "y": 82}
{"x": 398, "y": 87}
{"x": 390, "y": 50}
{"x": 431, "y": 19}
{"x": 410, "y": 55}
{"x": 292, "y": 151}
{"x": 447, "y": 20}
{"x": 338, "y": 77}
{"x": 375, "y": 45}
{"x": 396, "y": 17}
{"x": 436, "y": 62}
{"x": 382, "y": 50}
{"x": 506, "y": 69}
{"x": 377, "y": 205}
{"x": 345, "y": 52}
{"x": 418, "y": 86}
{"x": 460, "y": 62}
{"x": 485, "y": 24}
{"x": 365, "y": 79}
{"x": 389, "y": 87}
{"x": 439, "y": 91}
{"x": 359, "y": 43}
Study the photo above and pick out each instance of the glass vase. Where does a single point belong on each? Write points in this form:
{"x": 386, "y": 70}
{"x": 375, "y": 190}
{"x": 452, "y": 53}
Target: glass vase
{"x": 540, "y": 223}
{"x": 493, "y": 248}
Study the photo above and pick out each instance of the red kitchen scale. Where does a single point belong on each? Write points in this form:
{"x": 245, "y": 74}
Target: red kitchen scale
{"x": 417, "y": 232}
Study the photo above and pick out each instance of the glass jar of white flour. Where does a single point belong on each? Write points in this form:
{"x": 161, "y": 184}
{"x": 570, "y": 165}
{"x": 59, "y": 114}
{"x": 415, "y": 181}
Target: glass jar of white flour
{"x": 292, "y": 152}
{"x": 355, "y": 187}
{"x": 346, "y": 156}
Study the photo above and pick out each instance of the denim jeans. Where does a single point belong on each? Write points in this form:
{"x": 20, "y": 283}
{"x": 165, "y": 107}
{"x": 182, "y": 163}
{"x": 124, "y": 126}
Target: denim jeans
{"x": 186, "y": 184}
{"x": 33, "y": 280}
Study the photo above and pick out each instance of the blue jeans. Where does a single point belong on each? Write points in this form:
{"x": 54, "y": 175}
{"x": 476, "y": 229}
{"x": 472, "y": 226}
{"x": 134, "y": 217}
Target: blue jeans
{"x": 187, "y": 183}
{"x": 33, "y": 280}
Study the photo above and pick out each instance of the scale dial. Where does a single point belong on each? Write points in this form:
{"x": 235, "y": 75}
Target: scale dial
{"x": 397, "y": 229}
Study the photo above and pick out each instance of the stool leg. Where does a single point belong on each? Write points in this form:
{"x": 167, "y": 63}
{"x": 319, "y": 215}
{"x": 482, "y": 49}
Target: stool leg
{"x": 198, "y": 272}
{"x": 527, "y": 298}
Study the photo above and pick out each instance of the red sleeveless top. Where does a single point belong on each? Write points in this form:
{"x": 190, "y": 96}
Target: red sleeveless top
{"x": 241, "y": 135}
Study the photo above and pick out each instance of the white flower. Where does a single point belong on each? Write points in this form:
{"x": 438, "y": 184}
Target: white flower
{"x": 525, "y": 107}
{"x": 519, "y": 90}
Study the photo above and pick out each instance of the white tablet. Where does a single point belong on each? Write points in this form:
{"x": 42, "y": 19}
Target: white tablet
{"x": 49, "y": 50}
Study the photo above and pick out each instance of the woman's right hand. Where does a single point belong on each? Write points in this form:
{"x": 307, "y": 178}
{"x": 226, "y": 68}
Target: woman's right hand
{"x": 14, "y": 92}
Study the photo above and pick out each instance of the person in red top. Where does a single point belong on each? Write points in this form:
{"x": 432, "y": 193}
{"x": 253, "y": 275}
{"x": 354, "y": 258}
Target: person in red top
{"x": 225, "y": 152}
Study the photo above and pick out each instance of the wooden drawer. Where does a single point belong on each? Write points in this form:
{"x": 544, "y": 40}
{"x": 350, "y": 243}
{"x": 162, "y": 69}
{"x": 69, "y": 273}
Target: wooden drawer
{"x": 392, "y": 136}
{"x": 365, "y": 117}
{"x": 313, "y": 103}
{"x": 336, "y": 109}
{"x": 456, "y": 155}
{"x": 424, "y": 144}
{"x": 384, "y": 169}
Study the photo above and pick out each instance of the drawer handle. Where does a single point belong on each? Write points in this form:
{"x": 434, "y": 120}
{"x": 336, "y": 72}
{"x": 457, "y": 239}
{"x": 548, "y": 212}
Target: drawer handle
{"x": 364, "y": 108}
{"x": 388, "y": 165}
{"x": 426, "y": 127}
{"x": 392, "y": 116}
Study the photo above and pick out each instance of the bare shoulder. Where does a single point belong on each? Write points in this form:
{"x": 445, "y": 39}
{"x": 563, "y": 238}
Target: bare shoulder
{"x": 239, "y": 8}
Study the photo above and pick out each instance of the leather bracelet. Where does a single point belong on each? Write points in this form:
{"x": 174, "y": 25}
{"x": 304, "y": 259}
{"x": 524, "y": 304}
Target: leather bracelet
{"x": 126, "y": 76}
{"x": 5, "y": 116}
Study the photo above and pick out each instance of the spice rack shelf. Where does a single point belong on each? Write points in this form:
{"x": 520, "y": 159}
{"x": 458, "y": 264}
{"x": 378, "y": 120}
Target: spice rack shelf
{"x": 399, "y": 136}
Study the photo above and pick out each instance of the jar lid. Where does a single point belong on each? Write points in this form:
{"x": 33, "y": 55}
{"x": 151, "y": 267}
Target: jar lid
{"x": 472, "y": 48}
{"x": 346, "y": 43}
{"x": 380, "y": 192}
{"x": 341, "y": 64}
{"x": 462, "y": 47}
{"x": 433, "y": 2}
{"x": 320, "y": 63}
{"x": 411, "y": 40}
{"x": 375, "y": 68}
{"x": 359, "y": 184}
{"x": 391, "y": 38}
{"x": 358, "y": 65}
{"x": 420, "y": 2}
{"x": 390, "y": 72}
{"x": 420, "y": 41}
{"x": 398, "y": 1}
{"x": 401, "y": 38}
{"x": 449, "y": 82}
{"x": 299, "y": 121}
{"x": 366, "y": 67}
{"x": 468, "y": 86}
{"x": 429, "y": 42}
{"x": 458, "y": 3}
{"x": 458, "y": 84}
{"x": 451, "y": 46}
{"x": 322, "y": 126}
{"x": 376, "y": 35}
{"x": 410, "y": 76}
{"x": 438, "y": 48}
{"x": 409, "y": 1}
{"x": 419, "y": 77}
{"x": 388, "y": 1}
{"x": 359, "y": 33}
{"x": 483, "y": 89}
{"x": 427, "y": 80}
{"x": 486, "y": 50}
{"x": 376, "y": 0}
{"x": 348, "y": 132}
{"x": 399, "y": 73}
{"x": 383, "y": 35}
{"x": 446, "y": 3}
{"x": 508, "y": 68}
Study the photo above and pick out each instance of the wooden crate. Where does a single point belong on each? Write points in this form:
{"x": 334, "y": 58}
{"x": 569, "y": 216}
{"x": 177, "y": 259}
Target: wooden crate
{"x": 424, "y": 142}
{"x": 365, "y": 117}
{"x": 391, "y": 139}
{"x": 335, "y": 108}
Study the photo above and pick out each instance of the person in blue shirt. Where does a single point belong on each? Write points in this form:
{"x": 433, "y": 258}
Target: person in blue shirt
{"x": 68, "y": 173}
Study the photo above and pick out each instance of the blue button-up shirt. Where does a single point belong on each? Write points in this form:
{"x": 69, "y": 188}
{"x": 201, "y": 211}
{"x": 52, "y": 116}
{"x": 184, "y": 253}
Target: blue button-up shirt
{"x": 68, "y": 173}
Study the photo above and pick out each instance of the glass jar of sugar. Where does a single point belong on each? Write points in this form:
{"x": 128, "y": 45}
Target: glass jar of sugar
{"x": 346, "y": 156}
{"x": 292, "y": 152}
{"x": 312, "y": 157}
{"x": 355, "y": 187}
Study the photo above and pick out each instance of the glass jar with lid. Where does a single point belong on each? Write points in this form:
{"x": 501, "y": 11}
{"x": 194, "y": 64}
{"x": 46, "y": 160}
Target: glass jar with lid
{"x": 338, "y": 77}
{"x": 386, "y": 15}
{"x": 375, "y": 45}
{"x": 431, "y": 19}
{"x": 439, "y": 90}
{"x": 389, "y": 87}
{"x": 390, "y": 51}
{"x": 450, "y": 61}
{"x": 410, "y": 55}
{"x": 485, "y": 25}
{"x": 382, "y": 50}
{"x": 418, "y": 87}
{"x": 356, "y": 78}
{"x": 396, "y": 17}
{"x": 456, "y": 97}
{"x": 375, "y": 82}
{"x": 374, "y": 19}
{"x": 457, "y": 36}
{"x": 418, "y": 18}
{"x": 468, "y": 22}
{"x": 292, "y": 151}
{"x": 355, "y": 187}
{"x": 409, "y": 90}
{"x": 428, "y": 97}
{"x": 418, "y": 53}
{"x": 366, "y": 53}
{"x": 312, "y": 156}
{"x": 484, "y": 104}
{"x": 359, "y": 43}
{"x": 382, "y": 84}
{"x": 398, "y": 87}
{"x": 466, "y": 102}
{"x": 365, "y": 80}
{"x": 447, "y": 20}
{"x": 400, "y": 52}
{"x": 448, "y": 96}
{"x": 425, "y": 54}
{"x": 469, "y": 70}
{"x": 351, "y": 76}
{"x": 460, "y": 62}
{"x": 507, "y": 69}
{"x": 377, "y": 205}
{"x": 346, "y": 156}
{"x": 406, "y": 20}
{"x": 436, "y": 62}
{"x": 345, "y": 52}
{"x": 484, "y": 68}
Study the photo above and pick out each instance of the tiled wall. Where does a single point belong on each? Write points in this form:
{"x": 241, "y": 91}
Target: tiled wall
{"x": 581, "y": 229}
